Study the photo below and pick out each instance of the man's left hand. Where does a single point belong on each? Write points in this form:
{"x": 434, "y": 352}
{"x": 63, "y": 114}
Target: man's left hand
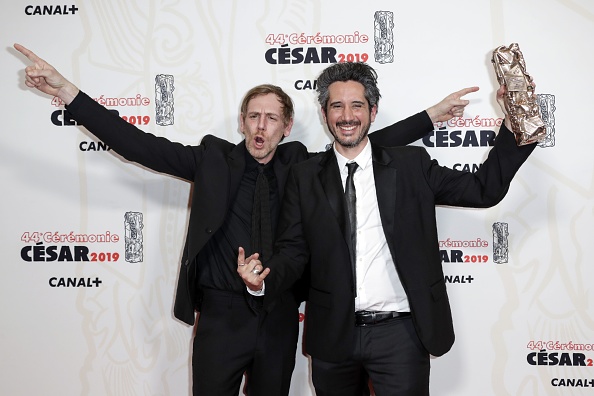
{"x": 451, "y": 106}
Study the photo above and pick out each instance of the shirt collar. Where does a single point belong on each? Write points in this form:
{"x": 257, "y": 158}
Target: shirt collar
{"x": 363, "y": 159}
{"x": 251, "y": 165}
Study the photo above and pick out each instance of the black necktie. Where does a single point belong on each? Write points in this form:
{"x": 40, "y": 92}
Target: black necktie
{"x": 351, "y": 200}
{"x": 261, "y": 223}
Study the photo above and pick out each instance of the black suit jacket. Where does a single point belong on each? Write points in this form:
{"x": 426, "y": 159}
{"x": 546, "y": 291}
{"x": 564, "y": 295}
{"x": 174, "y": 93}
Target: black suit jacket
{"x": 215, "y": 167}
{"x": 313, "y": 225}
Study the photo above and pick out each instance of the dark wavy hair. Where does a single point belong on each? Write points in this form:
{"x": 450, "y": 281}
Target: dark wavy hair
{"x": 349, "y": 71}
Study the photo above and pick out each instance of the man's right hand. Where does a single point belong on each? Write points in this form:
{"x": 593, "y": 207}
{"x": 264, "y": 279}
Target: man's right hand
{"x": 44, "y": 77}
{"x": 251, "y": 270}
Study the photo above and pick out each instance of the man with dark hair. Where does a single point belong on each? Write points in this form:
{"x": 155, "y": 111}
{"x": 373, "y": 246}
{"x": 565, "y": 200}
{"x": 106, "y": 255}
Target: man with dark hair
{"x": 236, "y": 199}
{"x": 361, "y": 219}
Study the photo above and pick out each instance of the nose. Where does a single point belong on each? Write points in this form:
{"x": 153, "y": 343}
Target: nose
{"x": 262, "y": 123}
{"x": 347, "y": 114}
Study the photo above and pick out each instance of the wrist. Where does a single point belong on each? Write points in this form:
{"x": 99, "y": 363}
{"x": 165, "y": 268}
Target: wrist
{"x": 68, "y": 92}
{"x": 432, "y": 113}
{"x": 259, "y": 292}
{"x": 507, "y": 123}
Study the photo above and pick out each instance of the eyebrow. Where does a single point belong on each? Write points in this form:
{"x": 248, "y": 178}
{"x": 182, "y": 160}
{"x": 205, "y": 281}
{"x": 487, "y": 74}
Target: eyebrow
{"x": 258, "y": 113}
{"x": 353, "y": 102}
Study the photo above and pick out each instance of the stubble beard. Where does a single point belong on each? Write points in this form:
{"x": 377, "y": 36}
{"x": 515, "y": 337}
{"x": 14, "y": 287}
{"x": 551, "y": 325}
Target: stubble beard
{"x": 349, "y": 144}
{"x": 264, "y": 152}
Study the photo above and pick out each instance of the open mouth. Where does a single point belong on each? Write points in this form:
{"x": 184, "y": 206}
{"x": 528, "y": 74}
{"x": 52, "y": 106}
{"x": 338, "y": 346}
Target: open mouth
{"x": 259, "y": 141}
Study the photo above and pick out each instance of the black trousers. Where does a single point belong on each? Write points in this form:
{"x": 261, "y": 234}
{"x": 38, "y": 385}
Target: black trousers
{"x": 391, "y": 355}
{"x": 233, "y": 338}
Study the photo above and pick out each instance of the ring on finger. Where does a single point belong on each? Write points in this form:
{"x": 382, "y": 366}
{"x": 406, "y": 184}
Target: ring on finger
{"x": 256, "y": 271}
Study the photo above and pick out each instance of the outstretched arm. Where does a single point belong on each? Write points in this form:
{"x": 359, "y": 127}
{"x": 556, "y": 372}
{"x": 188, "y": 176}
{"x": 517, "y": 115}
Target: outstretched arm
{"x": 487, "y": 186}
{"x": 417, "y": 126}
{"x": 46, "y": 78}
{"x": 157, "y": 153}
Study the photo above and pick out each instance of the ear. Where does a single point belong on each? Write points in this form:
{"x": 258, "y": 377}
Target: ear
{"x": 288, "y": 128}
{"x": 373, "y": 113}
{"x": 324, "y": 114}
{"x": 242, "y": 123}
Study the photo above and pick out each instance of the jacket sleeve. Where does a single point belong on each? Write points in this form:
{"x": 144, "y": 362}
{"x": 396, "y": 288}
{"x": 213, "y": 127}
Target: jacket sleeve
{"x": 488, "y": 185}
{"x": 156, "y": 153}
{"x": 291, "y": 253}
{"x": 403, "y": 132}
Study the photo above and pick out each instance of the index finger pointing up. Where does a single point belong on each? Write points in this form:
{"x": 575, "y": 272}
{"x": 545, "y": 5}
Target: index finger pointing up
{"x": 27, "y": 52}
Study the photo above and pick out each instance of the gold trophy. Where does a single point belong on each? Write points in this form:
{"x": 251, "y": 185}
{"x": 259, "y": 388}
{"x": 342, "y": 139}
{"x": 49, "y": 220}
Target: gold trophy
{"x": 520, "y": 99}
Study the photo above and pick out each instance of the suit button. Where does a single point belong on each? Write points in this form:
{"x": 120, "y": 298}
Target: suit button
{"x": 208, "y": 231}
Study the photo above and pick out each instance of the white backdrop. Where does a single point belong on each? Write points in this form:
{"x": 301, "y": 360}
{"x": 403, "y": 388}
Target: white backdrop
{"x": 524, "y": 325}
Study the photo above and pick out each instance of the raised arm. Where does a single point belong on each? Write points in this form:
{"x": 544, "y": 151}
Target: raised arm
{"x": 157, "y": 153}
{"x": 46, "y": 78}
{"x": 415, "y": 127}
{"x": 488, "y": 185}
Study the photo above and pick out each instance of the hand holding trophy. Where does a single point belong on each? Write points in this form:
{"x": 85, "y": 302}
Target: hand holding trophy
{"x": 520, "y": 99}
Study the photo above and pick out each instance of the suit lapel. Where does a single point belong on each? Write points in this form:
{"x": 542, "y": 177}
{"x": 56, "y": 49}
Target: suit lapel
{"x": 332, "y": 185}
{"x": 385, "y": 175}
{"x": 236, "y": 161}
{"x": 281, "y": 172}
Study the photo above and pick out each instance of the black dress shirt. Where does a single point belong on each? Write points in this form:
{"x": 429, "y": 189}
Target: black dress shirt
{"x": 217, "y": 261}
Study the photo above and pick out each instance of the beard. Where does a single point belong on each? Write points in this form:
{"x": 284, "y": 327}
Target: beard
{"x": 348, "y": 143}
{"x": 261, "y": 154}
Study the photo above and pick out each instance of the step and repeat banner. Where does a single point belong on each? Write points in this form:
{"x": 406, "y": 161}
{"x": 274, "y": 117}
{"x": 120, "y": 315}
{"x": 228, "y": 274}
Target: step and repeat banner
{"x": 91, "y": 243}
